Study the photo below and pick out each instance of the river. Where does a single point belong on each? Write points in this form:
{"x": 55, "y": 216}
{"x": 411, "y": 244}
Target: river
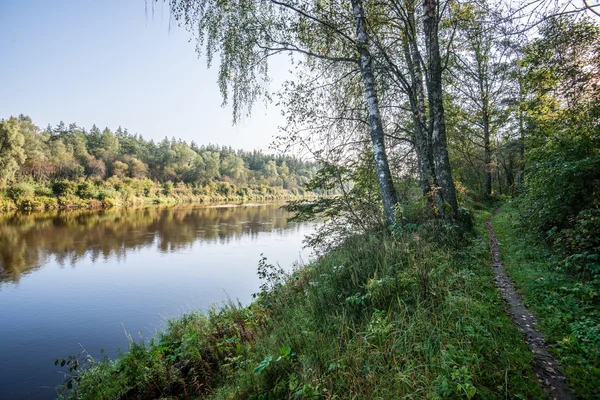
{"x": 85, "y": 280}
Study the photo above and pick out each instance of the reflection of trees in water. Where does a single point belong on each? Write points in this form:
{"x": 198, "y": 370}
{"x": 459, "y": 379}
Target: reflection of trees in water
{"x": 28, "y": 241}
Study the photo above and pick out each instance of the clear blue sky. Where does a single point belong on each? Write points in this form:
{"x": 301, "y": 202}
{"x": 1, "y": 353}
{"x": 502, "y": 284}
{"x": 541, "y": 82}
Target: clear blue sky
{"x": 107, "y": 62}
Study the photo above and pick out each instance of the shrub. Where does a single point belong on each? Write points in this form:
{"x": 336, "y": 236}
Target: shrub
{"x": 108, "y": 202}
{"x": 168, "y": 188}
{"x": 50, "y": 203}
{"x": 6, "y": 204}
{"x": 29, "y": 203}
{"x": 581, "y": 243}
{"x": 20, "y": 190}
{"x": 106, "y": 193}
{"x": 64, "y": 188}
{"x": 43, "y": 191}
{"x": 86, "y": 190}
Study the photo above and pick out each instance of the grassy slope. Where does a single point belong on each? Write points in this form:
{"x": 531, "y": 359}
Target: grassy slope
{"x": 377, "y": 318}
{"x": 566, "y": 307}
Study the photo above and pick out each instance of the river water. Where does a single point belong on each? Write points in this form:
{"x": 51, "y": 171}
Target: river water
{"x": 85, "y": 280}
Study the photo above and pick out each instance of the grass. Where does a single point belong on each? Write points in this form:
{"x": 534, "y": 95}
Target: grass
{"x": 566, "y": 306}
{"x": 413, "y": 316}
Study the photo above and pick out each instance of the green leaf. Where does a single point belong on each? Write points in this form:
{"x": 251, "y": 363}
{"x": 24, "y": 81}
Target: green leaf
{"x": 285, "y": 351}
{"x": 263, "y": 364}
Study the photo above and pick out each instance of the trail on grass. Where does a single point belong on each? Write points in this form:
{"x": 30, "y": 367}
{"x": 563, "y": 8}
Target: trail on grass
{"x": 544, "y": 363}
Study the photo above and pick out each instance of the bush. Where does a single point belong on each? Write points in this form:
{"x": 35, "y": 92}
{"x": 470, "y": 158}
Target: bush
{"x": 43, "y": 191}
{"x": 70, "y": 201}
{"x": 64, "y": 188}
{"x": 6, "y": 204}
{"x": 581, "y": 243}
{"x": 30, "y": 203}
{"x": 20, "y": 190}
{"x": 105, "y": 193}
{"x": 50, "y": 203}
{"x": 225, "y": 189}
{"x": 86, "y": 190}
{"x": 168, "y": 188}
{"x": 109, "y": 202}
{"x": 148, "y": 187}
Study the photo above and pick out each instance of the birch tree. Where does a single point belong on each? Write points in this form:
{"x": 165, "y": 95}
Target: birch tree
{"x": 246, "y": 33}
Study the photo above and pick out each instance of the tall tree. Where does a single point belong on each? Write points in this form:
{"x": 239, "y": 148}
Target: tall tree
{"x": 248, "y": 32}
{"x": 481, "y": 79}
{"x": 12, "y": 154}
{"x": 437, "y": 118}
{"x": 384, "y": 175}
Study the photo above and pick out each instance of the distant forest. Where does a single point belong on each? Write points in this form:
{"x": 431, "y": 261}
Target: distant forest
{"x": 106, "y": 165}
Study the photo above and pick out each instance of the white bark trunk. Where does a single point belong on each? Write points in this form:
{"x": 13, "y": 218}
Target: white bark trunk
{"x": 384, "y": 176}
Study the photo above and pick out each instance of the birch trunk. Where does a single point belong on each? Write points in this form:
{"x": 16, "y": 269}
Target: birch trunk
{"x": 441, "y": 161}
{"x": 417, "y": 102}
{"x": 384, "y": 176}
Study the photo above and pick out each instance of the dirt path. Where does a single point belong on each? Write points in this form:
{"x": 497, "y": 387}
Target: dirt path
{"x": 544, "y": 363}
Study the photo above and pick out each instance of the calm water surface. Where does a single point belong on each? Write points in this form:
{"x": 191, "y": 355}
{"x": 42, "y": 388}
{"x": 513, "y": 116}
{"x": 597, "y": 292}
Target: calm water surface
{"x": 76, "y": 280}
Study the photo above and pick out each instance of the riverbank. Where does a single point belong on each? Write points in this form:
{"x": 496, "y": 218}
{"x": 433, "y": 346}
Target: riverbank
{"x": 133, "y": 192}
{"x": 415, "y": 315}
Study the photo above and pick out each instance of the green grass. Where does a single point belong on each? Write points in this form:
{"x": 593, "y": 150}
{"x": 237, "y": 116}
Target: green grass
{"x": 416, "y": 316}
{"x": 567, "y": 308}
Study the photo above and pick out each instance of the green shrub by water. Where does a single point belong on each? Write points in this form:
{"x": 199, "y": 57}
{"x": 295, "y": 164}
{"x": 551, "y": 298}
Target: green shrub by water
{"x": 380, "y": 317}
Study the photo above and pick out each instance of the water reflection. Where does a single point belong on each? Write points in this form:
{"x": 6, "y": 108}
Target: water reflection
{"x": 82, "y": 279}
{"x": 27, "y": 241}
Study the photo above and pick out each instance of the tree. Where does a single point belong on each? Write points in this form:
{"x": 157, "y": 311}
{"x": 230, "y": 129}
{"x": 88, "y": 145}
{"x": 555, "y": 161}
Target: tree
{"x": 480, "y": 76}
{"x": 441, "y": 161}
{"x": 562, "y": 142}
{"x": 12, "y": 154}
{"x": 247, "y": 33}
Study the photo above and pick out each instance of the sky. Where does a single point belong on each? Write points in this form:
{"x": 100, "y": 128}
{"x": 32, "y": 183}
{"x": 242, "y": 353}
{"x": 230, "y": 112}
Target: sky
{"x": 112, "y": 64}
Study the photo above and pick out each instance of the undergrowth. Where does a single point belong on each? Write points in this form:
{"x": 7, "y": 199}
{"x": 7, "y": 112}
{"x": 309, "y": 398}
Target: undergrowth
{"x": 410, "y": 315}
{"x": 566, "y": 303}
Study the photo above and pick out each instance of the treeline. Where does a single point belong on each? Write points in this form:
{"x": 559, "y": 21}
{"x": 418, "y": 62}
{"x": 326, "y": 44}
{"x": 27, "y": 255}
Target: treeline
{"x": 71, "y": 166}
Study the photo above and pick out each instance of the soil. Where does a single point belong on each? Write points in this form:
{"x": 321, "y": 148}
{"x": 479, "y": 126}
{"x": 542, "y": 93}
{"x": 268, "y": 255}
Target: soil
{"x": 544, "y": 364}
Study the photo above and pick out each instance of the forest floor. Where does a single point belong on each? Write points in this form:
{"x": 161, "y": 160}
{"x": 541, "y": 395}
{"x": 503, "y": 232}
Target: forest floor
{"x": 544, "y": 363}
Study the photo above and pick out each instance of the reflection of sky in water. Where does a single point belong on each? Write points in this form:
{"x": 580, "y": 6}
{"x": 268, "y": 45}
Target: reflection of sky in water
{"x": 89, "y": 279}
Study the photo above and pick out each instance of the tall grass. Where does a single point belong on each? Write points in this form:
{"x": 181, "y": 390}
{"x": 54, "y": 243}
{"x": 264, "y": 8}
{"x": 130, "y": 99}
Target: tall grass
{"x": 414, "y": 315}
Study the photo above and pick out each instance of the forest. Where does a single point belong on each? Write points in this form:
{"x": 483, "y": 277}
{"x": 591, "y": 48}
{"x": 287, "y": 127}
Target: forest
{"x": 427, "y": 119}
{"x": 71, "y": 167}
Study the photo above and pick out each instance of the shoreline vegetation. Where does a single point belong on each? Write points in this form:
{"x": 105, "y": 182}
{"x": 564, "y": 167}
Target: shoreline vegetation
{"x": 414, "y": 313}
{"x": 73, "y": 195}
{"x": 411, "y": 314}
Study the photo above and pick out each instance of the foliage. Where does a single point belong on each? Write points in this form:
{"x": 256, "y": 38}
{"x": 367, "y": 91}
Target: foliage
{"x": 567, "y": 309}
{"x": 351, "y": 208}
{"x": 12, "y": 154}
{"x": 562, "y": 183}
{"x": 70, "y": 167}
{"x": 410, "y": 316}
{"x": 66, "y": 154}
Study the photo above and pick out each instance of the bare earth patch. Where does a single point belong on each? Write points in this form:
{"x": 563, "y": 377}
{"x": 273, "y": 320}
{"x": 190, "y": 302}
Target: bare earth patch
{"x": 544, "y": 363}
